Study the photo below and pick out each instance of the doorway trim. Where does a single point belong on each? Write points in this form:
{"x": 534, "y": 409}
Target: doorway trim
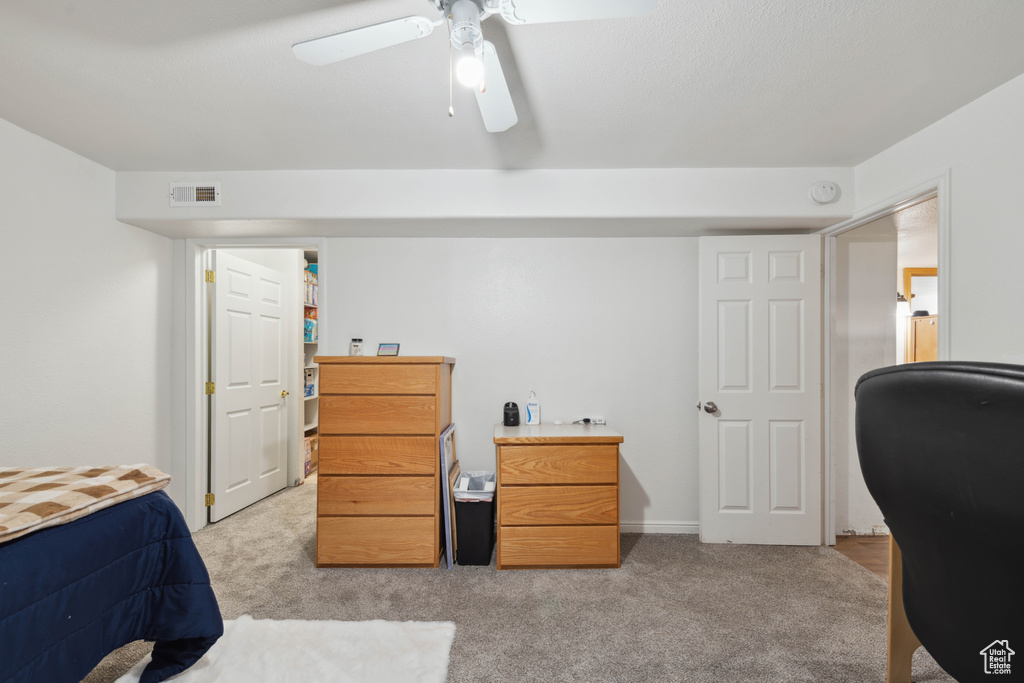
{"x": 937, "y": 187}
{"x": 190, "y": 358}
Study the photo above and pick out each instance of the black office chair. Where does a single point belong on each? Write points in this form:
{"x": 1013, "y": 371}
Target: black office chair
{"x": 941, "y": 446}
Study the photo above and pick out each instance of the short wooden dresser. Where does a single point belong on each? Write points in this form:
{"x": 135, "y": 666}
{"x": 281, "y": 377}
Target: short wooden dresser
{"x": 379, "y": 483}
{"x": 558, "y": 496}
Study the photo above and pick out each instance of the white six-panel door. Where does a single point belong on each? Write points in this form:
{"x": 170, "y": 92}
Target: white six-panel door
{"x": 248, "y": 419}
{"x": 760, "y": 368}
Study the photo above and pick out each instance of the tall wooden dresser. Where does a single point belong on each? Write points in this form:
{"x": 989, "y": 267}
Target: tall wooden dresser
{"x": 379, "y": 483}
{"x": 558, "y": 496}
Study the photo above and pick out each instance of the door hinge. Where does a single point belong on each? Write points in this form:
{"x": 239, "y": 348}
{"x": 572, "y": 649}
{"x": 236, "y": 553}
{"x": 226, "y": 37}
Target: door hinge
{"x": 211, "y": 276}
{"x": 209, "y": 499}
{"x": 210, "y": 388}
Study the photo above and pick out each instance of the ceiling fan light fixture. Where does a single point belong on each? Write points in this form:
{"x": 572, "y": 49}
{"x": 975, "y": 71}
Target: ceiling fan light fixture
{"x": 468, "y": 38}
{"x": 469, "y": 68}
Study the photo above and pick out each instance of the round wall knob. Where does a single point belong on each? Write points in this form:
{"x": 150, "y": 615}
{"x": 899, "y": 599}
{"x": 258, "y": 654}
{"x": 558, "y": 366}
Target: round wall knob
{"x": 710, "y": 407}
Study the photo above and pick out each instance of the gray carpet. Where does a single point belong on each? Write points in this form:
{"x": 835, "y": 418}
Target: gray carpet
{"x": 677, "y": 610}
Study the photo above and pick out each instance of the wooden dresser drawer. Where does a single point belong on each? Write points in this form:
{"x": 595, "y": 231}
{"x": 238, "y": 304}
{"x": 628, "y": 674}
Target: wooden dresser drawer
{"x": 377, "y": 379}
{"x": 378, "y": 455}
{"x": 523, "y": 546}
{"x": 375, "y": 541}
{"x": 559, "y": 464}
{"x": 378, "y": 415}
{"x": 558, "y": 505}
{"x": 375, "y": 496}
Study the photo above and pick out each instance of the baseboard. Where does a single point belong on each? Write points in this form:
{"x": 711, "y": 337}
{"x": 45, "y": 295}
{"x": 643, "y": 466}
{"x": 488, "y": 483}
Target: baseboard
{"x": 876, "y": 530}
{"x": 659, "y": 527}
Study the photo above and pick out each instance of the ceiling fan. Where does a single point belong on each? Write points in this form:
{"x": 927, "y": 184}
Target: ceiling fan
{"x": 476, "y": 61}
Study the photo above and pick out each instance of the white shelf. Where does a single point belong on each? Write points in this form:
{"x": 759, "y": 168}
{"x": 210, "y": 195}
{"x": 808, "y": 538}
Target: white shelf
{"x": 311, "y": 404}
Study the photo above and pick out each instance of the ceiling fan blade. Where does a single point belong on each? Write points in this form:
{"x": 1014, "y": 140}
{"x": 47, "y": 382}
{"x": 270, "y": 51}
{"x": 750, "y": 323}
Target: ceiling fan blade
{"x": 543, "y": 11}
{"x": 359, "y": 41}
{"x": 495, "y": 101}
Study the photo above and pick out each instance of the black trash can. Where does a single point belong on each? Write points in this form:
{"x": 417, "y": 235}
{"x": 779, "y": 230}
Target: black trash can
{"x": 474, "y": 529}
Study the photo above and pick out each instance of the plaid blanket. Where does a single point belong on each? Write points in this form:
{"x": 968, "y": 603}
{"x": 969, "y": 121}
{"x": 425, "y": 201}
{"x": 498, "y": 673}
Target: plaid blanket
{"x": 40, "y": 497}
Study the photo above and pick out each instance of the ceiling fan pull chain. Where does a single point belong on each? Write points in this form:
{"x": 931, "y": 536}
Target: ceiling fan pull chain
{"x": 451, "y": 68}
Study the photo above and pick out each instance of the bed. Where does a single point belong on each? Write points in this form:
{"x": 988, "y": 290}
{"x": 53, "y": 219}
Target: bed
{"x": 72, "y": 592}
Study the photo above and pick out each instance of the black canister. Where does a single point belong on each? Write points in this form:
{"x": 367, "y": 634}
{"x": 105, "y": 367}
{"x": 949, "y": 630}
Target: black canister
{"x": 511, "y": 415}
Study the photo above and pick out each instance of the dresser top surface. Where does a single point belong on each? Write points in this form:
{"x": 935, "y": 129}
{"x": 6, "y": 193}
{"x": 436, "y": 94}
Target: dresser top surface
{"x": 383, "y": 360}
{"x": 552, "y": 433}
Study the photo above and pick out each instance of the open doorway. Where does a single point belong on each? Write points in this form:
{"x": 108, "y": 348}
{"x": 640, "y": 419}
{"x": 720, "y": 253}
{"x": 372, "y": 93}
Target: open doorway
{"x": 254, "y": 394}
{"x": 917, "y": 319}
{"x": 873, "y": 327}
{"x": 193, "y": 340}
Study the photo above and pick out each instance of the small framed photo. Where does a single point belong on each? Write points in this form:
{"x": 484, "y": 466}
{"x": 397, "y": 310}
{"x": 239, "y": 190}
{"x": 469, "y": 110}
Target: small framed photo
{"x": 387, "y": 350}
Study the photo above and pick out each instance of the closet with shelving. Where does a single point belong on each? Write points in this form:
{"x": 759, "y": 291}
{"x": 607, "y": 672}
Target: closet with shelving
{"x": 310, "y": 370}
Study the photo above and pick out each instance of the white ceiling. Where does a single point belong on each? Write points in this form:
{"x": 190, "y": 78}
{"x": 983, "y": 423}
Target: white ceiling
{"x": 201, "y": 85}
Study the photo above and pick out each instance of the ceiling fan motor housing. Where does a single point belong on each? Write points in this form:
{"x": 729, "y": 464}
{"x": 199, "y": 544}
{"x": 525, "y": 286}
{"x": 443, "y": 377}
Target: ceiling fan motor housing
{"x": 466, "y": 32}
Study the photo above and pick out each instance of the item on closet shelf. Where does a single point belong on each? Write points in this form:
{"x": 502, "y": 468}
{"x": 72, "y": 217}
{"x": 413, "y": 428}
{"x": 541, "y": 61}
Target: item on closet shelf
{"x": 310, "y": 385}
{"x": 355, "y": 347}
{"x": 309, "y": 330}
{"x": 532, "y": 410}
{"x": 313, "y": 268}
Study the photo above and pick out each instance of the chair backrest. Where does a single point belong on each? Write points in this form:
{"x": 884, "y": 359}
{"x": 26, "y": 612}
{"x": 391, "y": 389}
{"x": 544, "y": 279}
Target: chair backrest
{"x": 941, "y": 446}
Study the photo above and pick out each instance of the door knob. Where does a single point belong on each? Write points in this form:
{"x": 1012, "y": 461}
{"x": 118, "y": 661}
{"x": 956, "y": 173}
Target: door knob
{"x": 283, "y": 394}
{"x": 710, "y": 407}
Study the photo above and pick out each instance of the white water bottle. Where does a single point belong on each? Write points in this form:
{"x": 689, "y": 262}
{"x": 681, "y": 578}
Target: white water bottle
{"x": 532, "y": 410}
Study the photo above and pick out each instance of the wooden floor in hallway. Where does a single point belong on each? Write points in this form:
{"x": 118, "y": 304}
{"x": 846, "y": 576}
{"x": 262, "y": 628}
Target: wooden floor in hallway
{"x": 871, "y": 552}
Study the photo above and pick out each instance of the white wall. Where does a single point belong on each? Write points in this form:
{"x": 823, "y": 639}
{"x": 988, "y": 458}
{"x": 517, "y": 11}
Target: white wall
{"x": 983, "y": 145}
{"x": 594, "y": 326}
{"x": 85, "y": 338}
{"x": 624, "y": 202}
{"x": 865, "y": 339}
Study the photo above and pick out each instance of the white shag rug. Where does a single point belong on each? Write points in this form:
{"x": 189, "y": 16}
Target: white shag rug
{"x": 251, "y": 651}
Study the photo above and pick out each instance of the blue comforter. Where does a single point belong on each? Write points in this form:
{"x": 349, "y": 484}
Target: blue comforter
{"x": 71, "y": 594}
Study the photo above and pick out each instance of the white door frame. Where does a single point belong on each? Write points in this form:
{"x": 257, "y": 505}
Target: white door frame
{"x": 191, "y": 358}
{"x": 937, "y": 187}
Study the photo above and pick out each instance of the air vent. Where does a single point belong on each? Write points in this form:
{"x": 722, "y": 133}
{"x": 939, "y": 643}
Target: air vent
{"x": 195, "y": 194}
